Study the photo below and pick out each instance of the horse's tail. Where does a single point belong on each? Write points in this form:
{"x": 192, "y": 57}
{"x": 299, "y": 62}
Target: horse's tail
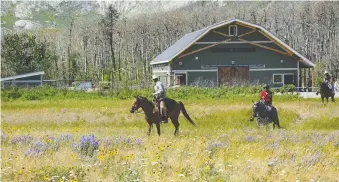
{"x": 184, "y": 112}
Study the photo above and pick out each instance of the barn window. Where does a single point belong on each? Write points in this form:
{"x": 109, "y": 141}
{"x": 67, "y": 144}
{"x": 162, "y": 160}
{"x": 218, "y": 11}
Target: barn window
{"x": 232, "y": 31}
{"x": 277, "y": 78}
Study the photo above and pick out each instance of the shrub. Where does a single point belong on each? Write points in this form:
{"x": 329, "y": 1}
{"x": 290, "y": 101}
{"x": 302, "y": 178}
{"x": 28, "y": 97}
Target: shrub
{"x": 288, "y": 88}
{"x": 185, "y": 92}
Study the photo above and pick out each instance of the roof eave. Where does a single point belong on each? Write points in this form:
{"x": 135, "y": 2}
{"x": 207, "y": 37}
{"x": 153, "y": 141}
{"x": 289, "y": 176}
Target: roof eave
{"x": 159, "y": 62}
{"x": 22, "y": 76}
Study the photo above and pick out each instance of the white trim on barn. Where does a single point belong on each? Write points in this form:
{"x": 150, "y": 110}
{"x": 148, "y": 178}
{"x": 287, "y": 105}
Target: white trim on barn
{"x": 298, "y": 75}
{"x": 235, "y": 42}
{"x": 275, "y": 69}
{"x": 185, "y": 71}
{"x": 160, "y": 71}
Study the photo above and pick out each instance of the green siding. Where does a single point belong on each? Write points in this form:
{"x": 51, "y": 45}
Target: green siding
{"x": 207, "y": 57}
{"x": 266, "y": 77}
{"x": 193, "y": 76}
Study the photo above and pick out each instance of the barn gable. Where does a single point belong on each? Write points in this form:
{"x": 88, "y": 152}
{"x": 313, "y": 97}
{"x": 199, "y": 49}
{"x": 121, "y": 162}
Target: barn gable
{"x": 232, "y": 52}
{"x": 218, "y": 34}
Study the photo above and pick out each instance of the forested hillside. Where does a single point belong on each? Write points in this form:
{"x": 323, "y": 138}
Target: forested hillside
{"x": 81, "y": 43}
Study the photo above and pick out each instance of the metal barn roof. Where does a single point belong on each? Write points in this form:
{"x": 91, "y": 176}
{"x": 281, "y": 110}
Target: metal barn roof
{"x": 189, "y": 39}
{"x": 23, "y": 76}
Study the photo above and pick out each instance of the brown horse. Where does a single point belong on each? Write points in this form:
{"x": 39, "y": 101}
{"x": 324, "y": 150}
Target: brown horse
{"x": 153, "y": 117}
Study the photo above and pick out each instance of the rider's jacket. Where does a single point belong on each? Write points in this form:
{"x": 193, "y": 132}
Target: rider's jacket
{"x": 327, "y": 78}
{"x": 266, "y": 96}
{"x": 159, "y": 90}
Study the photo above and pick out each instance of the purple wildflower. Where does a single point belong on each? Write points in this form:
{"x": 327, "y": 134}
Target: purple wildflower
{"x": 250, "y": 139}
{"x": 217, "y": 145}
{"x": 87, "y": 145}
{"x": 139, "y": 141}
{"x": 108, "y": 142}
{"x": 25, "y": 139}
{"x": 65, "y": 138}
{"x": 272, "y": 162}
{"x": 311, "y": 160}
{"x": 40, "y": 147}
{"x": 272, "y": 145}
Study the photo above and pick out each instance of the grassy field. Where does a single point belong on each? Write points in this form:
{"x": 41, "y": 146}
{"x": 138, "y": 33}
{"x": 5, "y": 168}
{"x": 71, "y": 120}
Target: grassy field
{"x": 99, "y": 140}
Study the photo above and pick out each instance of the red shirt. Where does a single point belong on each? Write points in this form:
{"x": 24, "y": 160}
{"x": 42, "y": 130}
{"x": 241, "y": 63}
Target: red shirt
{"x": 267, "y": 96}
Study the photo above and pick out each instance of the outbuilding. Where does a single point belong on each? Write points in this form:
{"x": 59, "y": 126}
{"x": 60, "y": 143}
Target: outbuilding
{"x": 232, "y": 52}
{"x": 24, "y": 80}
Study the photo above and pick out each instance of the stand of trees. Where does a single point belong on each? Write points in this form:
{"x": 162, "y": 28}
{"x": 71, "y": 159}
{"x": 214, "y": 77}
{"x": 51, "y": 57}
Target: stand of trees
{"x": 118, "y": 49}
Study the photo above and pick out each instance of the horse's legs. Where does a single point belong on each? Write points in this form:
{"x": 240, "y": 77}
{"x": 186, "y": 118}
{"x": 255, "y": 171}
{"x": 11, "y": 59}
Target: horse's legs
{"x": 332, "y": 97}
{"x": 267, "y": 122}
{"x": 175, "y": 121}
{"x": 149, "y": 129}
{"x": 158, "y": 127}
{"x": 275, "y": 117}
{"x": 258, "y": 122}
{"x": 322, "y": 99}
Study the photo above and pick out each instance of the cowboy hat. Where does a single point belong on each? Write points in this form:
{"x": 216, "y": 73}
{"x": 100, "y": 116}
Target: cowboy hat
{"x": 154, "y": 77}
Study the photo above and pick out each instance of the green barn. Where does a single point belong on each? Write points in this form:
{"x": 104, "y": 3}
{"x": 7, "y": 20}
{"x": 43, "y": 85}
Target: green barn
{"x": 232, "y": 52}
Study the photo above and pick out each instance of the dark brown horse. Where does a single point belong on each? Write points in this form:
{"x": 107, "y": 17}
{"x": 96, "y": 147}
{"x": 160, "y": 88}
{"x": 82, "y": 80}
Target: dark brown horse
{"x": 153, "y": 117}
{"x": 326, "y": 92}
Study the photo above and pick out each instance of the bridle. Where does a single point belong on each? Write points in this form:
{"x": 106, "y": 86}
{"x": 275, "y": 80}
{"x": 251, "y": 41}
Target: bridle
{"x": 135, "y": 107}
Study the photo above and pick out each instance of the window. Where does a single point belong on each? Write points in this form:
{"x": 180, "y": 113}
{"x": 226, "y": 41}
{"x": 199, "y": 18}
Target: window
{"x": 232, "y": 31}
{"x": 277, "y": 78}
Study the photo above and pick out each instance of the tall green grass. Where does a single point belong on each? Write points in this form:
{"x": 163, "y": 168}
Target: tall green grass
{"x": 47, "y": 93}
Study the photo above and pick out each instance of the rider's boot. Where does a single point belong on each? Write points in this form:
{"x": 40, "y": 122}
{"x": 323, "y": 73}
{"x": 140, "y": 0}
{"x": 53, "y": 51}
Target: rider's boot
{"x": 163, "y": 112}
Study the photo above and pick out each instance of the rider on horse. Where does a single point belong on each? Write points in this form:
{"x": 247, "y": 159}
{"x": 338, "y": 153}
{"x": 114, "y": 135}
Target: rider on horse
{"x": 160, "y": 94}
{"x": 266, "y": 96}
{"x": 327, "y": 80}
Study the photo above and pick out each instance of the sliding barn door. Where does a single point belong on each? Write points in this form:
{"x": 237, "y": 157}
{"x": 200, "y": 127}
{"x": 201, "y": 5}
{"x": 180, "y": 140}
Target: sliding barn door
{"x": 233, "y": 75}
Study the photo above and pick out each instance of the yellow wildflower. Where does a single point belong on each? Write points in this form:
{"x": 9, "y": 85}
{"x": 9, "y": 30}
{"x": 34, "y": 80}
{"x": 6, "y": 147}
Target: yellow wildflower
{"x": 46, "y": 178}
{"x": 128, "y": 156}
{"x": 101, "y": 157}
{"x": 61, "y": 180}
{"x": 73, "y": 156}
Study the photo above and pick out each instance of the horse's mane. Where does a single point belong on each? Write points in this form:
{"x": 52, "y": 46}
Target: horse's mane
{"x": 145, "y": 99}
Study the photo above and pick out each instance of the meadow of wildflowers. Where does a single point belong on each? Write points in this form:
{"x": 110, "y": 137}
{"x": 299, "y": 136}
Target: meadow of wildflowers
{"x": 99, "y": 140}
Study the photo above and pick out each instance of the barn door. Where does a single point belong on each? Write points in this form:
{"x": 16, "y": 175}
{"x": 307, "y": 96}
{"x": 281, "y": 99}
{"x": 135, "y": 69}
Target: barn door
{"x": 233, "y": 75}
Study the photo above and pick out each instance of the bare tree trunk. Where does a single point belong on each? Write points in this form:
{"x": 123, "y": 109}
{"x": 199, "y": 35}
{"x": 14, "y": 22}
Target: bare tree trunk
{"x": 69, "y": 53}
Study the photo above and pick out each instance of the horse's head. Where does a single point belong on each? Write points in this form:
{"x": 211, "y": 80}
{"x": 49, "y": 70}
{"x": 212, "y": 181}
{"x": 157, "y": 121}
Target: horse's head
{"x": 136, "y": 104}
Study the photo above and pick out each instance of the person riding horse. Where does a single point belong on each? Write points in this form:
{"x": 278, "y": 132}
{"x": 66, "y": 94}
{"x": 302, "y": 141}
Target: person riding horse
{"x": 266, "y": 97}
{"x": 159, "y": 95}
{"x": 327, "y": 80}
